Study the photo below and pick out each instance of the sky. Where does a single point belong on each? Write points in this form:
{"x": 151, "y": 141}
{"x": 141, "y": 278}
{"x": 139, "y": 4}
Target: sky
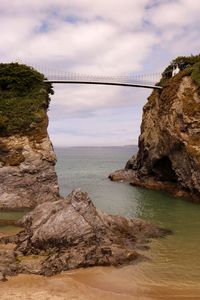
{"x": 108, "y": 37}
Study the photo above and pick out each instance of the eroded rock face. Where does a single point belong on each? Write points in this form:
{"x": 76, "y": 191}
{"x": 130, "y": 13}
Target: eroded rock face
{"x": 169, "y": 144}
{"x": 27, "y": 172}
{"x": 71, "y": 233}
{"x": 27, "y": 158}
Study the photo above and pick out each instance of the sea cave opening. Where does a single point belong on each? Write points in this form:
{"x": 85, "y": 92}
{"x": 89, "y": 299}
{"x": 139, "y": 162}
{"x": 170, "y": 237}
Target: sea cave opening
{"x": 164, "y": 170}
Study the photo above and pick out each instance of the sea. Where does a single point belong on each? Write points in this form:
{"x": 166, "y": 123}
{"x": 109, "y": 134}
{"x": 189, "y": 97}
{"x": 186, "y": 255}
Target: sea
{"x": 171, "y": 268}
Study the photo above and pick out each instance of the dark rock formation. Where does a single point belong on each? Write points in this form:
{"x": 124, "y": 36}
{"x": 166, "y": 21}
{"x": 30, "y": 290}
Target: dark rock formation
{"x": 8, "y": 264}
{"x": 27, "y": 159}
{"x": 169, "y": 144}
{"x": 71, "y": 233}
{"x": 131, "y": 163}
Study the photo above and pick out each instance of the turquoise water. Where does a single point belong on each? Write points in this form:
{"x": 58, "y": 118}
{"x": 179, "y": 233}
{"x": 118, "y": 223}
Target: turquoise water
{"x": 174, "y": 262}
{"x": 175, "y": 259}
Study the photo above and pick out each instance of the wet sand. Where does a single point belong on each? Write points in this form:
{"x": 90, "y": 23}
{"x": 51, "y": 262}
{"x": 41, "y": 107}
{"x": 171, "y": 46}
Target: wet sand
{"x": 94, "y": 284}
{"x": 149, "y": 279}
{"x": 133, "y": 282}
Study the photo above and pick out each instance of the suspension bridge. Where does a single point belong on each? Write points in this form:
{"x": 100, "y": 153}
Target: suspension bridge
{"x": 139, "y": 81}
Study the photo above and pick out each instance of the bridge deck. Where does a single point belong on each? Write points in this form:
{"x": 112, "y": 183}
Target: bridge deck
{"x": 139, "y": 85}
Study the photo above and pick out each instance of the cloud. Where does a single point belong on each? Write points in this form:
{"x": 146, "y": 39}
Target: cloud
{"x": 93, "y": 98}
{"x": 89, "y": 36}
{"x": 106, "y": 127}
{"x": 126, "y": 13}
{"x": 97, "y": 37}
{"x": 180, "y": 14}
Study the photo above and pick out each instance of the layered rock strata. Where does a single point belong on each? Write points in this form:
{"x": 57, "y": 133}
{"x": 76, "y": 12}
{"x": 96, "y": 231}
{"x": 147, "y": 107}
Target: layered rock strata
{"x": 71, "y": 233}
{"x": 27, "y": 158}
{"x": 169, "y": 143}
{"x": 27, "y": 174}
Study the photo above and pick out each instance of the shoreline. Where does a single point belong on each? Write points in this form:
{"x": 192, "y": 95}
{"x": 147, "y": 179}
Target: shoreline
{"x": 150, "y": 183}
{"x": 71, "y": 233}
{"x": 96, "y": 283}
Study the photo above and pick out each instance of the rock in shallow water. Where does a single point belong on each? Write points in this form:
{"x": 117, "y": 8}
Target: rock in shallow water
{"x": 71, "y": 233}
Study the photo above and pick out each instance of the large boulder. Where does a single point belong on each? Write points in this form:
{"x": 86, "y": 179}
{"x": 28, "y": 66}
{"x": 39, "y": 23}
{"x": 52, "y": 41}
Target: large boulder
{"x": 71, "y": 233}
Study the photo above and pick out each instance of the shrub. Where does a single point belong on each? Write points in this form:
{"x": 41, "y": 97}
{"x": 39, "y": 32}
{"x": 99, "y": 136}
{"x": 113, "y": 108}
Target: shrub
{"x": 23, "y": 99}
{"x": 190, "y": 65}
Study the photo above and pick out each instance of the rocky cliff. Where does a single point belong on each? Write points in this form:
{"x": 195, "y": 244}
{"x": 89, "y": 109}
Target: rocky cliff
{"x": 59, "y": 234}
{"x": 71, "y": 233}
{"x": 27, "y": 159}
{"x": 169, "y": 143}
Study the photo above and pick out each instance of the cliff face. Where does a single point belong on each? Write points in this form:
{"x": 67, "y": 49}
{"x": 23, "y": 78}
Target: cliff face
{"x": 27, "y": 159}
{"x": 169, "y": 144}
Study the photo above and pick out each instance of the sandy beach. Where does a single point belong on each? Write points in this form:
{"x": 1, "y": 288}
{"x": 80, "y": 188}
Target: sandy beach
{"x": 94, "y": 284}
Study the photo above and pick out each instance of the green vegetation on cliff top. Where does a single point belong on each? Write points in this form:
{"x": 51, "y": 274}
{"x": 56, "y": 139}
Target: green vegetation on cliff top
{"x": 190, "y": 65}
{"x": 24, "y": 99}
